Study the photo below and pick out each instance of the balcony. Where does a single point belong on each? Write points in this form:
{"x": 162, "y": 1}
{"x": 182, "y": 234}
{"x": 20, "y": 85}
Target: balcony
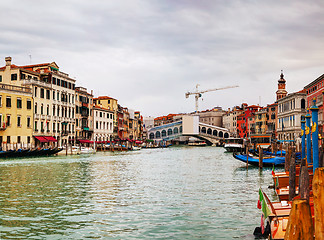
{"x": 43, "y": 117}
{"x": 48, "y": 117}
{"x": 15, "y": 88}
{"x": 37, "y": 116}
{"x": 64, "y": 133}
{"x": 36, "y": 82}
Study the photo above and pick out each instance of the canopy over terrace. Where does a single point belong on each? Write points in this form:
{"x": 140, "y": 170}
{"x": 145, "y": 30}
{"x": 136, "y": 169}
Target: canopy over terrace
{"x": 43, "y": 139}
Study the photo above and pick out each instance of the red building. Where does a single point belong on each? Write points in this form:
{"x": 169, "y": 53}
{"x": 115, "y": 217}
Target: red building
{"x": 315, "y": 90}
{"x": 246, "y": 121}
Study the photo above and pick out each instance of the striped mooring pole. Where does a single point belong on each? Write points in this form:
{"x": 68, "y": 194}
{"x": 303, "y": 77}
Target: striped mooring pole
{"x": 314, "y": 110}
{"x": 308, "y": 137}
{"x": 303, "y": 136}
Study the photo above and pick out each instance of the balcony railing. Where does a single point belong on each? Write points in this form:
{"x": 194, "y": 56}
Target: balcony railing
{"x": 15, "y": 88}
{"x": 36, "y": 82}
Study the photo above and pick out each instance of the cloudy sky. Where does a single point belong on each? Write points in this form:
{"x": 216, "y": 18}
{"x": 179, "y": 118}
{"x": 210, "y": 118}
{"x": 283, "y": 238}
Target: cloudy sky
{"x": 148, "y": 53}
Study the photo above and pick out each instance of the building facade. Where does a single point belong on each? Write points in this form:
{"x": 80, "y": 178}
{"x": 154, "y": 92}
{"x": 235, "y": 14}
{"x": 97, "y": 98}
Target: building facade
{"x": 83, "y": 114}
{"x": 290, "y": 110}
{"x": 103, "y": 124}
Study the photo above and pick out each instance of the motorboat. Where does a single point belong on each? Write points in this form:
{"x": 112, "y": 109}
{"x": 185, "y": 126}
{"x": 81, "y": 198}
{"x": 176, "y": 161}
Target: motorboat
{"x": 234, "y": 145}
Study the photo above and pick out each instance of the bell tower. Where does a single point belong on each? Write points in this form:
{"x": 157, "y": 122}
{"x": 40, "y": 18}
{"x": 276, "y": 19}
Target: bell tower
{"x": 281, "y": 92}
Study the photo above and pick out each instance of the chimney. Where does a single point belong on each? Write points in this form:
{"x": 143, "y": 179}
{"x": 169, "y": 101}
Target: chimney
{"x": 8, "y": 61}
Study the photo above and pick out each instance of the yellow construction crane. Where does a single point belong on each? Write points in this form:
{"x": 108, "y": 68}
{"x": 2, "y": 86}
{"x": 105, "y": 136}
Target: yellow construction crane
{"x": 198, "y": 94}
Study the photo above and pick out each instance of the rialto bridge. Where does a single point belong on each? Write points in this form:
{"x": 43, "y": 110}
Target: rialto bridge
{"x": 188, "y": 126}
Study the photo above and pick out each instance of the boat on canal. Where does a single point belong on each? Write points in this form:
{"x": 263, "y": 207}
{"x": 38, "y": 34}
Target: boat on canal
{"x": 234, "y": 144}
{"x": 20, "y": 153}
{"x": 267, "y": 161}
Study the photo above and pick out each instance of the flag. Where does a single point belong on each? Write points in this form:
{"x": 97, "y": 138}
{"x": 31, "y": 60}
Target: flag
{"x": 277, "y": 183}
{"x": 273, "y": 170}
{"x": 264, "y": 206}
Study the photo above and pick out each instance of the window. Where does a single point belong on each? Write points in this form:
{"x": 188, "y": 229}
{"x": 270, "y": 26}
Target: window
{"x": 28, "y": 104}
{"x": 28, "y": 139}
{"x": 18, "y": 121}
{"x": 54, "y": 110}
{"x": 35, "y": 91}
{"x": 53, "y": 127}
{"x": 0, "y": 78}
{"x": 47, "y": 110}
{"x": 35, "y": 108}
{"x": 48, "y": 94}
{"x": 8, "y": 120}
{"x": 0, "y": 101}
{"x": 19, "y": 103}
{"x": 58, "y": 96}
{"x": 58, "y": 82}
{"x": 54, "y": 94}
{"x": 42, "y": 112}
{"x": 8, "y": 102}
{"x": 14, "y": 77}
{"x": 54, "y": 80}
{"x": 96, "y": 124}
{"x": 8, "y": 139}
{"x": 28, "y": 122}
{"x": 42, "y": 93}
{"x": 35, "y": 127}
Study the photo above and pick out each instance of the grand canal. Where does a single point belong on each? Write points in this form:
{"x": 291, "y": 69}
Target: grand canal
{"x": 173, "y": 193}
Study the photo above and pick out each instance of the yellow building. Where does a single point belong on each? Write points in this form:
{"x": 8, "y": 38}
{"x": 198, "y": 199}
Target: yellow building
{"x": 261, "y": 121}
{"x": 16, "y": 116}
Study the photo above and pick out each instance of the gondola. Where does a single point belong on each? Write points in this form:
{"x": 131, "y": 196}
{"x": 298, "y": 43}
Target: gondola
{"x": 267, "y": 161}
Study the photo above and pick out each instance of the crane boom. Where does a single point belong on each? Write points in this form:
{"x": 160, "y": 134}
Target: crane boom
{"x": 198, "y": 93}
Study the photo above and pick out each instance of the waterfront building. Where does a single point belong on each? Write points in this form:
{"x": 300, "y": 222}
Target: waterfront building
{"x": 60, "y": 120}
{"x": 246, "y": 121}
{"x": 103, "y": 123}
{"x": 111, "y": 104}
{"x": 315, "y": 89}
{"x": 290, "y": 110}
{"x": 158, "y": 121}
{"x": 212, "y": 117}
{"x": 230, "y": 120}
{"x": 138, "y": 126}
{"x": 16, "y": 116}
{"x": 272, "y": 120}
{"x": 261, "y": 121}
{"x": 83, "y": 114}
{"x": 126, "y": 124}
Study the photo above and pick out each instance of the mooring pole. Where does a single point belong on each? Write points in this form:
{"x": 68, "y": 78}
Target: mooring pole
{"x": 308, "y": 138}
{"x": 314, "y": 109}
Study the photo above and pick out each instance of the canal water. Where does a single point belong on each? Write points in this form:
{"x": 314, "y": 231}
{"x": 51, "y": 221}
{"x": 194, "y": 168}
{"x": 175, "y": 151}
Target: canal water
{"x": 173, "y": 193}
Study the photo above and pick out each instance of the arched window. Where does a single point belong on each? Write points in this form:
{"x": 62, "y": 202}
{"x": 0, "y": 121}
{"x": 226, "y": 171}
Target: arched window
{"x": 157, "y": 134}
{"x": 163, "y": 133}
{"x": 151, "y": 135}
{"x": 203, "y": 130}
{"x": 226, "y": 135}
{"x": 209, "y": 131}
{"x": 215, "y": 132}
{"x": 221, "y": 134}
{"x": 169, "y": 131}
{"x": 175, "y": 130}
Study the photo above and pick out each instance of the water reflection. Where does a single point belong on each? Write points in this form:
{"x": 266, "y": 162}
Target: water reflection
{"x": 160, "y": 193}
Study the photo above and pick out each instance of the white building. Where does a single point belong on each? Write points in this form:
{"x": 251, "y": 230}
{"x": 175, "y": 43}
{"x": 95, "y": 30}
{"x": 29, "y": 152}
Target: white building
{"x": 103, "y": 120}
{"x": 290, "y": 110}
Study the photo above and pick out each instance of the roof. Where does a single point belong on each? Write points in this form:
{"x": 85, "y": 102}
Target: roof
{"x": 320, "y": 78}
{"x": 103, "y": 98}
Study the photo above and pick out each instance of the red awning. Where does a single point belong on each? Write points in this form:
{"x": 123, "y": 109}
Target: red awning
{"x": 138, "y": 142}
{"x": 41, "y": 138}
{"x": 50, "y": 139}
{"x": 85, "y": 141}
